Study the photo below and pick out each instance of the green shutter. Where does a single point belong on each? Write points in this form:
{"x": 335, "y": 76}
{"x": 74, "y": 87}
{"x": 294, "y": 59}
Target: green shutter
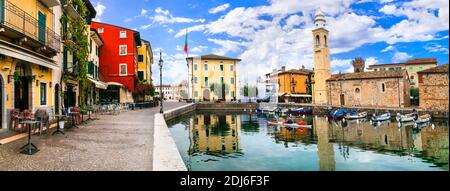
{"x": 2, "y": 8}
{"x": 65, "y": 59}
{"x": 90, "y": 48}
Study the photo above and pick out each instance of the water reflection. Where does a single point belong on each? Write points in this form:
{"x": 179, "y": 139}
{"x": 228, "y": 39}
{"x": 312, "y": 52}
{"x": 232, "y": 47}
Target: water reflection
{"x": 246, "y": 142}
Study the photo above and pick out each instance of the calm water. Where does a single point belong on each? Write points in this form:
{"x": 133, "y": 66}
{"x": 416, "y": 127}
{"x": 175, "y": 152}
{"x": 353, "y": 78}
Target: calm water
{"x": 210, "y": 142}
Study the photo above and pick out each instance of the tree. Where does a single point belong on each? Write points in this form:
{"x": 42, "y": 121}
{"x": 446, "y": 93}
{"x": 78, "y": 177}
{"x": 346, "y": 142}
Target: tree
{"x": 249, "y": 91}
{"x": 220, "y": 89}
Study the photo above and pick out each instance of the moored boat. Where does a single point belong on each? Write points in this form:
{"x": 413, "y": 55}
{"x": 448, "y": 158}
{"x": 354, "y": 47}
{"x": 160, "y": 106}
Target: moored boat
{"x": 356, "y": 116}
{"x": 339, "y": 114}
{"x": 424, "y": 118}
{"x": 383, "y": 117}
{"x": 291, "y": 125}
{"x": 301, "y": 111}
{"x": 405, "y": 118}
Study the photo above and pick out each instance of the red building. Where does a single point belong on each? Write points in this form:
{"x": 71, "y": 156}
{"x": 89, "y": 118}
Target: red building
{"x": 118, "y": 60}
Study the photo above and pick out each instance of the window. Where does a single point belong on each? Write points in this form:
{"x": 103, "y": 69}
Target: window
{"x": 357, "y": 90}
{"x": 317, "y": 41}
{"x": 195, "y": 80}
{"x": 100, "y": 30}
{"x": 222, "y": 80}
{"x": 195, "y": 67}
{"x": 221, "y": 67}
{"x": 383, "y": 87}
{"x": 231, "y": 67}
{"x": 123, "y": 69}
{"x": 206, "y": 67}
{"x": 90, "y": 47}
{"x": 410, "y": 68}
{"x": 43, "y": 94}
{"x": 141, "y": 75}
{"x": 96, "y": 50}
{"x": 325, "y": 39}
{"x": 123, "y": 34}
{"x": 232, "y": 80}
{"x": 232, "y": 94}
{"x": 420, "y": 68}
{"x": 206, "y": 81}
{"x": 140, "y": 58}
{"x": 196, "y": 94}
{"x": 122, "y": 50}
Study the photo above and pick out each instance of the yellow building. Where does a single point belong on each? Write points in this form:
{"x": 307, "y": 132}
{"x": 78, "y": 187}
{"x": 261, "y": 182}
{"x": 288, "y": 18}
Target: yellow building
{"x": 295, "y": 85}
{"x": 215, "y": 134}
{"x": 322, "y": 67}
{"x": 145, "y": 61}
{"x": 213, "y": 69}
{"x": 28, "y": 43}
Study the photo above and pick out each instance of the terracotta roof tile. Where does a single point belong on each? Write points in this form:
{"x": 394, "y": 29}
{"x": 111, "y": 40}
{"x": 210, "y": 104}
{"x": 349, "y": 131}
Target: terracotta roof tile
{"x": 368, "y": 75}
{"x": 438, "y": 69}
{"x": 216, "y": 57}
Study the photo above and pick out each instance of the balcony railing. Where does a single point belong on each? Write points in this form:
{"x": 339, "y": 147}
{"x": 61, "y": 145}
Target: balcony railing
{"x": 72, "y": 7}
{"x": 15, "y": 18}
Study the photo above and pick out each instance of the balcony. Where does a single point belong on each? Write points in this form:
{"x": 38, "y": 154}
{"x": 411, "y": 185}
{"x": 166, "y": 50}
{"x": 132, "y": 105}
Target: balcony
{"x": 71, "y": 8}
{"x": 25, "y": 30}
{"x": 50, "y": 3}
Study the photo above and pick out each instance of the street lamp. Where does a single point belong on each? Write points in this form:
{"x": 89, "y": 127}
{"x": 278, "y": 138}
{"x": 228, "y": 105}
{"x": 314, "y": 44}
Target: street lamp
{"x": 160, "y": 84}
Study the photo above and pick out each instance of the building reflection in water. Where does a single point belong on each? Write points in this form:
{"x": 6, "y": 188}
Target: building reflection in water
{"x": 214, "y": 134}
{"x": 325, "y": 149}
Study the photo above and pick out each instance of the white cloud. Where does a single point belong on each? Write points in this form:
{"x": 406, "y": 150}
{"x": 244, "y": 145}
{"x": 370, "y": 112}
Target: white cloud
{"x": 170, "y": 31}
{"x": 164, "y": 17}
{"x": 144, "y": 27}
{"x": 401, "y": 57}
{"x": 199, "y": 49}
{"x": 389, "y": 48}
{"x": 144, "y": 12}
{"x": 100, "y": 9}
{"x": 436, "y": 48}
{"x": 226, "y": 46}
{"x": 219, "y": 8}
{"x": 182, "y": 32}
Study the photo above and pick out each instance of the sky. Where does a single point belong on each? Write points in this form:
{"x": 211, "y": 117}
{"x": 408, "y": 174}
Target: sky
{"x": 268, "y": 34}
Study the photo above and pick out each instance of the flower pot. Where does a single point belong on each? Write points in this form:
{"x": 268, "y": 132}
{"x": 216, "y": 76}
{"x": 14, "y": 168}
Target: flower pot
{"x": 61, "y": 124}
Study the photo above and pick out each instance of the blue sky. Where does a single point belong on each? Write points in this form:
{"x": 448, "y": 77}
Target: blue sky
{"x": 268, "y": 34}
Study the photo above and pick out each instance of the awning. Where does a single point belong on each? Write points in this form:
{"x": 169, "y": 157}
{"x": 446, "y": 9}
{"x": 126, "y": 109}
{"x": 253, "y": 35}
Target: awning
{"x": 300, "y": 95}
{"x": 114, "y": 84}
{"x": 99, "y": 84}
{"x": 31, "y": 58}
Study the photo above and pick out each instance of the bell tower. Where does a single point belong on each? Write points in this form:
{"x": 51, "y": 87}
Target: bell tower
{"x": 322, "y": 68}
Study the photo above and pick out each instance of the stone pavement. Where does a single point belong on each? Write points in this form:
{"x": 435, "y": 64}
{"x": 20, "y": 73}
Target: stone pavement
{"x": 113, "y": 143}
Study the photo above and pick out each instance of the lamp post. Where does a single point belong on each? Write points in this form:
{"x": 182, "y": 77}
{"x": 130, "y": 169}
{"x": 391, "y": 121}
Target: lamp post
{"x": 160, "y": 84}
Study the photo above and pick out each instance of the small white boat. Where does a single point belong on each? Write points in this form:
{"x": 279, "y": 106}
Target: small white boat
{"x": 406, "y": 118}
{"x": 424, "y": 119}
{"x": 356, "y": 116}
{"x": 382, "y": 117}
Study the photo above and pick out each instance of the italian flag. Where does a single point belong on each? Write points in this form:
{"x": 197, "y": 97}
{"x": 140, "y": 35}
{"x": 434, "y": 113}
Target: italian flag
{"x": 186, "y": 43}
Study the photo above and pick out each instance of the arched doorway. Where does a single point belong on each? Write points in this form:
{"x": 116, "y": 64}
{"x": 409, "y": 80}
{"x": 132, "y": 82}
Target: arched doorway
{"x": 56, "y": 99}
{"x": 22, "y": 87}
{"x": 2, "y": 103}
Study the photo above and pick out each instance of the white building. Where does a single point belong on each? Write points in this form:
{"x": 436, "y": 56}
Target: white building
{"x": 167, "y": 91}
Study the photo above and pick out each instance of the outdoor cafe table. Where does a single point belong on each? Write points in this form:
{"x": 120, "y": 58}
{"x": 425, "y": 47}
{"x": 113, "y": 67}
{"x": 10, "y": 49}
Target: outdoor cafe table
{"x": 29, "y": 148}
{"x": 58, "y": 128}
{"x": 73, "y": 114}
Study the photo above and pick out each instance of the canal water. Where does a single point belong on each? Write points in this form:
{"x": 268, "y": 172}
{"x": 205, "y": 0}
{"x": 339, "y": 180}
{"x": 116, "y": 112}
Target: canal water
{"x": 245, "y": 142}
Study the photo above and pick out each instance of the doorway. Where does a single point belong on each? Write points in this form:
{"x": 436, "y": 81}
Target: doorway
{"x": 42, "y": 19}
{"x": 342, "y": 99}
{"x": 206, "y": 95}
{"x": 56, "y": 99}
{"x": 70, "y": 96}
{"x": 22, "y": 84}
{"x": 2, "y": 103}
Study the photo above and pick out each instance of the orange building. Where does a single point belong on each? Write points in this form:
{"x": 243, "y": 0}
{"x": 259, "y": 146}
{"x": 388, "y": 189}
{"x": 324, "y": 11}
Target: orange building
{"x": 294, "y": 85}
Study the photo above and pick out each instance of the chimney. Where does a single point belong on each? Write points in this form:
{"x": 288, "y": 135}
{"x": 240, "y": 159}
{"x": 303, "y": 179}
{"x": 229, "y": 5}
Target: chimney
{"x": 303, "y": 67}
{"x": 283, "y": 68}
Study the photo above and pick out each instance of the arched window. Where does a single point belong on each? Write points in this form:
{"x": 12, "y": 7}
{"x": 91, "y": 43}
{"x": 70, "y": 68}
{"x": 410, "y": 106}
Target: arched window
{"x": 317, "y": 41}
{"x": 357, "y": 90}
{"x": 326, "y": 41}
